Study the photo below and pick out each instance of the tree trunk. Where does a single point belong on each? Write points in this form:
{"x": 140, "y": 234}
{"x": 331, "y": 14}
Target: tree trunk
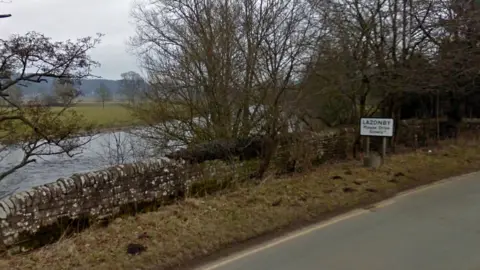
{"x": 396, "y": 124}
{"x": 437, "y": 114}
{"x": 268, "y": 151}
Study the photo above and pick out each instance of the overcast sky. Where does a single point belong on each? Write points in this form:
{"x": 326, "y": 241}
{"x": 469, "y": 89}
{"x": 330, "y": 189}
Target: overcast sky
{"x": 69, "y": 19}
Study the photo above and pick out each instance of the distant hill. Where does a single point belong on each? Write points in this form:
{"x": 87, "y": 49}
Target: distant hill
{"x": 87, "y": 87}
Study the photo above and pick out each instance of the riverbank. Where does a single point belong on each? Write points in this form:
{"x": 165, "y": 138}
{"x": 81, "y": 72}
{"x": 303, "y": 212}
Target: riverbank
{"x": 187, "y": 232}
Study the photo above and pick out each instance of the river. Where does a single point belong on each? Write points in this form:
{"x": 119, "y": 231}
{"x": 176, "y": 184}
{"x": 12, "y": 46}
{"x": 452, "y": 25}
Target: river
{"x": 101, "y": 152}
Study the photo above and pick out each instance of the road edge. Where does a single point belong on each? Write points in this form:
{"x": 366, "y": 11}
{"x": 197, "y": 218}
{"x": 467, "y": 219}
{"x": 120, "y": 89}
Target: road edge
{"x": 235, "y": 250}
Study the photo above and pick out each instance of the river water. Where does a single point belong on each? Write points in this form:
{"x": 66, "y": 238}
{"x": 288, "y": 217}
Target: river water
{"x": 104, "y": 150}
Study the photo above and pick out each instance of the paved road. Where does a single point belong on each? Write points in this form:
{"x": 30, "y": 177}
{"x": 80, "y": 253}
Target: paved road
{"x": 437, "y": 228}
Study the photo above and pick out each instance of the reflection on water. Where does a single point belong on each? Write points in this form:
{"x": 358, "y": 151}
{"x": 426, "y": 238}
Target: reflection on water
{"x": 95, "y": 155}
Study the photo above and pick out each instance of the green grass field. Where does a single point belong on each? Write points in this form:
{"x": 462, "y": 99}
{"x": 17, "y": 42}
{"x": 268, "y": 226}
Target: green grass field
{"x": 94, "y": 117}
{"x": 113, "y": 115}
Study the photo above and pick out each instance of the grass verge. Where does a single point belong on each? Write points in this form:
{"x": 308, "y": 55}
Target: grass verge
{"x": 197, "y": 227}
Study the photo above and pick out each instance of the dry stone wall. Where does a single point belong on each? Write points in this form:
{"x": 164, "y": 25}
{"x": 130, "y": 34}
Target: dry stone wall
{"x": 102, "y": 194}
{"x": 93, "y": 195}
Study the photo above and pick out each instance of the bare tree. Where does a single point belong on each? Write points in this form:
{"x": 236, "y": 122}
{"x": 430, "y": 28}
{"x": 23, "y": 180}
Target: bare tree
{"x": 221, "y": 70}
{"x": 103, "y": 94}
{"x": 36, "y": 129}
{"x": 455, "y": 35}
{"x": 132, "y": 86}
{"x": 376, "y": 53}
{"x": 370, "y": 49}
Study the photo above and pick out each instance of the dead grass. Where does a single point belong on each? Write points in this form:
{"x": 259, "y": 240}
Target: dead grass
{"x": 201, "y": 226}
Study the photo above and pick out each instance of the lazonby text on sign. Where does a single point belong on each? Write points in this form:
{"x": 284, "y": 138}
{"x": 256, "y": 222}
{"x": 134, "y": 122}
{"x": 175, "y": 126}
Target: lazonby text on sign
{"x": 382, "y": 127}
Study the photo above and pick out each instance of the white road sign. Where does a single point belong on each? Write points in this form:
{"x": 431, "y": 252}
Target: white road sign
{"x": 382, "y": 127}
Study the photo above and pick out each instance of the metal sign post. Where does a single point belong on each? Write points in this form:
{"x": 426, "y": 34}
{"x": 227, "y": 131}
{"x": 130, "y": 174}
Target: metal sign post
{"x": 376, "y": 127}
